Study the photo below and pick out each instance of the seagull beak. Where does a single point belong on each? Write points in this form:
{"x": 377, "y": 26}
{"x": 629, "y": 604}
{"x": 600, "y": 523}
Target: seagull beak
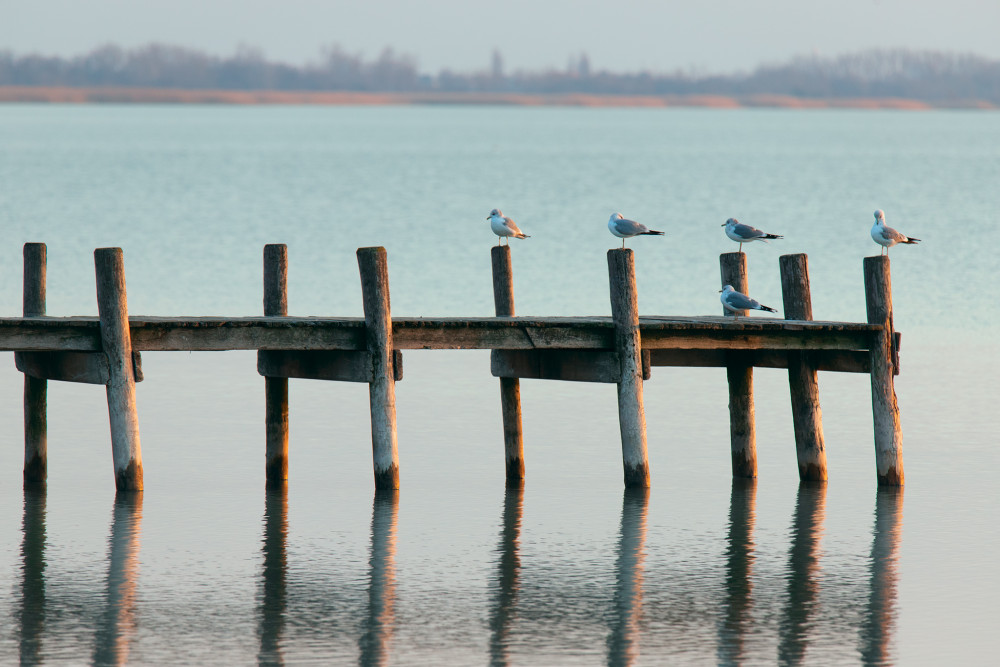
{"x": 723, "y": 224}
{"x": 720, "y": 291}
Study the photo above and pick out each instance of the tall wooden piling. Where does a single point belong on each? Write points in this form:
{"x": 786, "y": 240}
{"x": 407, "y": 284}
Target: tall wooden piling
{"x": 35, "y": 389}
{"x": 628, "y": 346}
{"x": 739, "y": 373}
{"x": 276, "y": 388}
{"x": 117, "y": 344}
{"x": 510, "y": 388}
{"x": 885, "y": 409}
{"x": 382, "y": 389}
{"x": 807, "y": 417}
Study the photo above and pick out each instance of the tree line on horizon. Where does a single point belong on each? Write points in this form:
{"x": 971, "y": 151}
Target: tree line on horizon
{"x": 919, "y": 75}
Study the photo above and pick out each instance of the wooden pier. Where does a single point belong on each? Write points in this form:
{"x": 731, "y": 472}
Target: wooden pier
{"x": 619, "y": 349}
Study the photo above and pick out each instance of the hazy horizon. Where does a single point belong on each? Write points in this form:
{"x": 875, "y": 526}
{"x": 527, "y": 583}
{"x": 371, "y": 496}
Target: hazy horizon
{"x": 449, "y": 34}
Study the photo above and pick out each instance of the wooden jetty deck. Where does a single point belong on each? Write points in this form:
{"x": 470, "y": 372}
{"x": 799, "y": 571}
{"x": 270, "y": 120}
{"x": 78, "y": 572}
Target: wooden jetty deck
{"x": 619, "y": 349}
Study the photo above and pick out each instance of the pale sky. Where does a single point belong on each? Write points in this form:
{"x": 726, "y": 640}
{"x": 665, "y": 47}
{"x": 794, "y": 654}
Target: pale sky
{"x": 619, "y": 35}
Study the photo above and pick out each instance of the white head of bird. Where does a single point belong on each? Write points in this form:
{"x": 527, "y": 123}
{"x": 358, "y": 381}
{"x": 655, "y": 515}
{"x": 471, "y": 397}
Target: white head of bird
{"x": 880, "y": 217}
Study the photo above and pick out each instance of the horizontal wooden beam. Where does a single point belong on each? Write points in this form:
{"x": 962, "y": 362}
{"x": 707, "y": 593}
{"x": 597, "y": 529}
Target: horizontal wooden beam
{"x": 571, "y": 365}
{"x": 85, "y": 367}
{"x": 509, "y": 333}
{"x": 341, "y": 365}
{"x": 843, "y": 361}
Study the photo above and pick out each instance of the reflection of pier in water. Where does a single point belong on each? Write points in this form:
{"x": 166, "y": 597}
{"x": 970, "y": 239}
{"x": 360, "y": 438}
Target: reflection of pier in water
{"x": 803, "y": 570}
{"x": 32, "y": 612}
{"x": 739, "y": 569}
{"x": 877, "y": 626}
{"x": 623, "y": 641}
{"x": 378, "y": 625}
{"x": 117, "y": 626}
{"x": 508, "y": 576}
{"x": 272, "y": 598}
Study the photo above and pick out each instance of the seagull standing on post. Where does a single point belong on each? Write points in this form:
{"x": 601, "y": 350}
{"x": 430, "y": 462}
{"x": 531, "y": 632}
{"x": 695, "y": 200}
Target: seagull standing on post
{"x": 626, "y": 229}
{"x": 504, "y": 227}
{"x": 741, "y": 233}
{"x": 887, "y": 236}
{"x": 734, "y": 302}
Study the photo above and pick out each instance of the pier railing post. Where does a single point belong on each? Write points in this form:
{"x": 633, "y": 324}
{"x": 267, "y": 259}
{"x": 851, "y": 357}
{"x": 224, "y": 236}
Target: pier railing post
{"x": 739, "y": 373}
{"x": 510, "y": 388}
{"x": 276, "y": 388}
{"x": 628, "y": 346}
{"x": 117, "y": 344}
{"x": 382, "y": 389}
{"x": 807, "y": 416}
{"x": 35, "y": 389}
{"x": 885, "y": 409}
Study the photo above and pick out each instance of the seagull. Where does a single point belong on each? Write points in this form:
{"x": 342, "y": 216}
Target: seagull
{"x": 741, "y": 233}
{"x": 887, "y": 236}
{"x": 624, "y": 228}
{"x": 503, "y": 226}
{"x": 734, "y": 302}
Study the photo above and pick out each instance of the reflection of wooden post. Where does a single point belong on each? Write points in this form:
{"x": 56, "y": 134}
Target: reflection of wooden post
{"x": 508, "y": 575}
{"x": 274, "y": 575}
{"x": 803, "y": 574}
{"x": 374, "y": 642}
{"x": 739, "y": 572}
{"x": 876, "y": 629}
{"x": 623, "y": 641}
{"x": 885, "y": 409}
{"x": 117, "y": 343}
{"x": 35, "y": 389}
{"x": 802, "y": 382}
{"x": 382, "y": 389}
{"x": 742, "y": 435}
{"x": 276, "y": 388}
{"x": 510, "y": 388}
{"x": 114, "y": 635}
{"x": 32, "y": 613}
{"x": 631, "y": 415}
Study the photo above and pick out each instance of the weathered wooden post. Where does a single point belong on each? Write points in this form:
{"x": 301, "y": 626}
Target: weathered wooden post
{"x": 117, "y": 344}
{"x": 802, "y": 382}
{"x": 382, "y": 389}
{"x": 885, "y": 409}
{"x": 739, "y": 372}
{"x": 628, "y": 346}
{"x": 276, "y": 388}
{"x": 35, "y": 389}
{"x": 510, "y": 388}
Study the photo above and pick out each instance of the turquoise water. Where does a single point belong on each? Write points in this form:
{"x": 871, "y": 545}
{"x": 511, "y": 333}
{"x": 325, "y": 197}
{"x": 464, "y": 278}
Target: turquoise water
{"x": 207, "y": 568}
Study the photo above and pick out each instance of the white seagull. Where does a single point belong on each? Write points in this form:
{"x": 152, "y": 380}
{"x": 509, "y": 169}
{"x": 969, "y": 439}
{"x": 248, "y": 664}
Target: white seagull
{"x": 503, "y": 226}
{"x": 624, "y": 228}
{"x": 741, "y": 233}
{"x": 734, "y": 302}
{"x": 887, "y": 236}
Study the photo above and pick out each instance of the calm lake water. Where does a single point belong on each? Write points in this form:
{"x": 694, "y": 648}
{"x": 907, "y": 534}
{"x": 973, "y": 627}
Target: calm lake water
{"x": 206, "y": 567}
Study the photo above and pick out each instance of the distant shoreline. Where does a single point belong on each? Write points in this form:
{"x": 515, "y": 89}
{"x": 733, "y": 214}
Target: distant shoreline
{"x": 127, "y": 95}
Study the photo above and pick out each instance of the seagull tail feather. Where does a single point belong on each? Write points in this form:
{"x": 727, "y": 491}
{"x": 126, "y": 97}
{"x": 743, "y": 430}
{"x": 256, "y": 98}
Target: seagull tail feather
{"x": 774, "y": 236}
{"x": 767, "y": 308}
{"x": 652, "y": 232}
{"x": 524, "y": 236}
{"x": 910, "y": 239}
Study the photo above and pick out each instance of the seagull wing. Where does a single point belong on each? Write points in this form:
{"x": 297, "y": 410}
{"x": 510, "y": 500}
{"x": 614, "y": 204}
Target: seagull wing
{"x": 630, "y": 227}
{"x": 741, "y": 301}
{"x": 747, "y": 232}
{"x": 890, "y": 234}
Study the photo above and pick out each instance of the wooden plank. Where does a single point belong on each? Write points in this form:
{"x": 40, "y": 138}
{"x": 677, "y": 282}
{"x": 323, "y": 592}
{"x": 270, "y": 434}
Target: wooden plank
{"x": 157, "y": 334}
{"x": 83, "y": 367}
{"x": 843, "y": 361}
{"x": 337, "y": 365}
{"x": 567, "y": 365}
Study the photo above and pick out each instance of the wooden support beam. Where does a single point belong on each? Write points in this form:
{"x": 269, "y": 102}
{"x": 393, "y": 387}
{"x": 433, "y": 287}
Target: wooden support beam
{"x": 338, "y": 365}
{"x": 275, "y": 387}
{"x": 374, "y": 271}
{"x": 510, "y": 385}
{"x": 117, "y": 343}
{"x": 843, "y": 361}
{"x": 885, "y": 409}
{"x": 35, "y": 388}
{"x": 807, "y": 417}
{"x": 567, "y": 365}
{"x": 628, "y": 347}
{"x": 83, "y": 367}
{"x": 739, "y": 373}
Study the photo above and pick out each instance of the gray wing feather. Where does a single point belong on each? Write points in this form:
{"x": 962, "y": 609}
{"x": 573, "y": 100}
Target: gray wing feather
{"x": 747, "y": 232}
{"x": 626, "y": 226}
{"x": 742, "y": 301}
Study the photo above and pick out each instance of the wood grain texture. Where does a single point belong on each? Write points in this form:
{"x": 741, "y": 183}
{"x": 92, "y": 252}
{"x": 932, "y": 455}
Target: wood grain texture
{"x": 739, "y": 376}
{"x": 373, "y": 266}
{"x": 335, "y": 365}
{"x": 82, "y": 367}
{"x": 117, "y": 343}
{"x": 803, "y": 385}
{"x": 628, "y": 346}
{"x": 36, "y": 426}
{"x": 276, "y": 426}
{"x": 885, "y": 408}
{"x": 510, "y": 385}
